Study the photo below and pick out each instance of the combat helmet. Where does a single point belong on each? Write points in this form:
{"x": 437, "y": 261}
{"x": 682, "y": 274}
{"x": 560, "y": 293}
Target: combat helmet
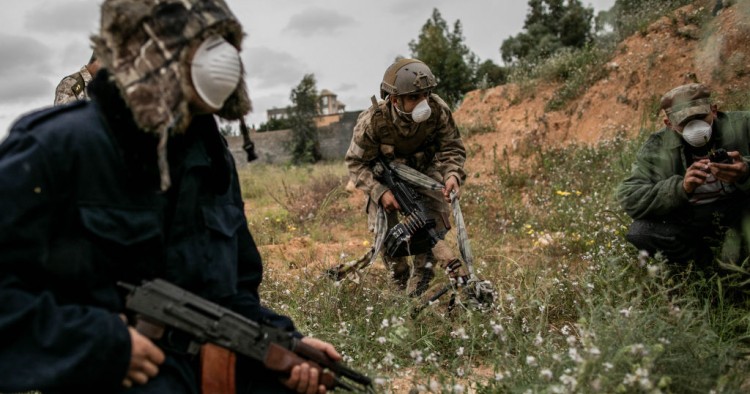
{"x": 407, "y": 76}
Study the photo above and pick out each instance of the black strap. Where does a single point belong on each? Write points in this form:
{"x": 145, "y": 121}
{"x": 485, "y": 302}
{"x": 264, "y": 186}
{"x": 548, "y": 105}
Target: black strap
{"x": 247, "y": 144}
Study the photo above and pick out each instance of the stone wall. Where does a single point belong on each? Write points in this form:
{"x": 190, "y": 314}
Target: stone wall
{"x": 272, "y": 146}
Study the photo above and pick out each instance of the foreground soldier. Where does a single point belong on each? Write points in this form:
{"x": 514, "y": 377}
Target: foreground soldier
{"x": 414, "y": 127}
{"x": 135, "y": 184}
{"x": 73, "y": 87}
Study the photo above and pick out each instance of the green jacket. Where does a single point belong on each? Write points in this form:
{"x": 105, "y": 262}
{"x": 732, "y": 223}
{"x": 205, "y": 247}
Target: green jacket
{"x": 654, "y": 187}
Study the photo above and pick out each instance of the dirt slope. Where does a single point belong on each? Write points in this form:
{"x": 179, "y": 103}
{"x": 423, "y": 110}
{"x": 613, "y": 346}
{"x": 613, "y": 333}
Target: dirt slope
{"x": 674, "y": 50}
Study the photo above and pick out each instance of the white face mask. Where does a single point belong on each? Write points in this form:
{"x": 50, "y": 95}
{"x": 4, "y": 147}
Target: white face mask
{"x": 421, "y": 112}
{"x": 697, "y": 133}
{"x": 215, "y": 71}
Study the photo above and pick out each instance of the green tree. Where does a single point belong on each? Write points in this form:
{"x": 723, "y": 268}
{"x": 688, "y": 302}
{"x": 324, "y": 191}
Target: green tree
{"x": 305, "y": 144}
{"x": 450, "y": 60}
{"x": 275, "y": 124}
{"x": 550, "y": 26}
{"x": 490, "y": 74}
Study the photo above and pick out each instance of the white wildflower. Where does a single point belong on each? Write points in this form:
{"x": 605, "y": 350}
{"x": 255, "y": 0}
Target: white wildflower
{"x": 460, "y": 333}
{"x": 538, "y": 341}
{"x": 531, "y": 361}
{"x": 573, "y": 354}
{"x": 546, "y": 374}
{"x": 417, "y": 356}
{"x": 594, "y": 351}
{"x": 639, "y": 350}
{"x": 381, "y": 340}
{"x": 460, "y": 351}
{"x": 569, "y": 381}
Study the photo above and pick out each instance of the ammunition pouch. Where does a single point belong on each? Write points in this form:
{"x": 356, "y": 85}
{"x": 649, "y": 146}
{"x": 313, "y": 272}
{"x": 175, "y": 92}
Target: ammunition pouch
{"x": 410, "y": 237}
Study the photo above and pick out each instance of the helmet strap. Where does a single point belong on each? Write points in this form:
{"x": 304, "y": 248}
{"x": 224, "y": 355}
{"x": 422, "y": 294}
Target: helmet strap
{"x": 406, "y": 116}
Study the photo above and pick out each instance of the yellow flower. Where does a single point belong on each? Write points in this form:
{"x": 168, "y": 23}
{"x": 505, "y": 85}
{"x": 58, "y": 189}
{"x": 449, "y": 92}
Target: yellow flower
{"x": 562, "y": 193}
{"x": 365, "y": 243}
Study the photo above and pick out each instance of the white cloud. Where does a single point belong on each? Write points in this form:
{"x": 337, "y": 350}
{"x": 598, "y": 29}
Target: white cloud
{"x": 268, "y": 68}
{"x": 317, "y": 21}
{"x": 62, "y": 16}
{"x": 346, "y": 44}
{"x": 23, "y": 55}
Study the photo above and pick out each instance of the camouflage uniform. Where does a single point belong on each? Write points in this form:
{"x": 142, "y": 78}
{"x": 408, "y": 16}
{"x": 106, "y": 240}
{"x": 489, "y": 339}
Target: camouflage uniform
{"x": 433, "y": 147}
{"x": 73, "y": 87}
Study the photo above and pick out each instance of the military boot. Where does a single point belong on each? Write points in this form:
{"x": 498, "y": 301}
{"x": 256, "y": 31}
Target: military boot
{"x": 399, "y": 268}
{"x": 421, "y": 275}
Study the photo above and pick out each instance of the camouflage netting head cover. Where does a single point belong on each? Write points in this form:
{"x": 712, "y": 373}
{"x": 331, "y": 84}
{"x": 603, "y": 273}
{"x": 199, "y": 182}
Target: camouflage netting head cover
{"x": 146, "y": 45}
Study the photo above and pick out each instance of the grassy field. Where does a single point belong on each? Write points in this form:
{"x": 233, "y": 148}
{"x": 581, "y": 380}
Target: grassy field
{"x": 577, "y": 308}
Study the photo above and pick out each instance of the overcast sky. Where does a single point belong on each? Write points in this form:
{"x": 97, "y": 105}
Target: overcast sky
{"x": 346, "y": 44}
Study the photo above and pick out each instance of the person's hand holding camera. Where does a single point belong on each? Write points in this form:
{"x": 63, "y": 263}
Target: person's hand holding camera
{"x": 730, "y": 171}
{"x": 696, "y": 175}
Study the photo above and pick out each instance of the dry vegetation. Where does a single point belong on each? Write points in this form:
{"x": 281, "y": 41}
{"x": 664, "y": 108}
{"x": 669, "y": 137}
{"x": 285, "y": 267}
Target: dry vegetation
{"x": 577, "y": 309}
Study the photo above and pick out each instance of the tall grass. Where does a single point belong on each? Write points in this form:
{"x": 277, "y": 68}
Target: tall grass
{"x": 577, "y": 308}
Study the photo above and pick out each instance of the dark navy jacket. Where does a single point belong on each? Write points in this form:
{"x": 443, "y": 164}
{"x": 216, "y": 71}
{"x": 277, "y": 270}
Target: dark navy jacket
{"x": 81, "y": 210}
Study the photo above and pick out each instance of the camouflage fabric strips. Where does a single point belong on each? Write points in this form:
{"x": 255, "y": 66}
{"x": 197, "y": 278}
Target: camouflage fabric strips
{"x": 146, "y": 44}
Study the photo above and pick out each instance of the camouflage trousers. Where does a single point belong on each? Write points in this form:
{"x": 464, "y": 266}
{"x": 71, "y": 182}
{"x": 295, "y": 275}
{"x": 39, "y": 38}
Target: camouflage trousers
{"x": 414, "y": 273}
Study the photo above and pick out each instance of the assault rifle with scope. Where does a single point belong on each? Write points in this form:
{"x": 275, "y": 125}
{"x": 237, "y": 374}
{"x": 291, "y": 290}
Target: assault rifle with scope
{"x": 160, "y": 304}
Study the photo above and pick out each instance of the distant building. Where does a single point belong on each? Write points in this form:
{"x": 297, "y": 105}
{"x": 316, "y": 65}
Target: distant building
{"x": 328, "y": 104}
{"x": 329, "y": 108}
{"x": 277, "y": 113}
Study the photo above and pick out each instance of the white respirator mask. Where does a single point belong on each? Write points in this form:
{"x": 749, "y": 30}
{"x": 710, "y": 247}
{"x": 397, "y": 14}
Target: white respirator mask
{"x": 697, "y": 133}
{"x": 421, "y": 112}
{"x": 216, "y": 69}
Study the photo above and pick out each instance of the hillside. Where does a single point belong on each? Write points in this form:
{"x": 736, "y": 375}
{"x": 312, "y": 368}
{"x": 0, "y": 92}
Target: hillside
{"x": 691, "y": 45}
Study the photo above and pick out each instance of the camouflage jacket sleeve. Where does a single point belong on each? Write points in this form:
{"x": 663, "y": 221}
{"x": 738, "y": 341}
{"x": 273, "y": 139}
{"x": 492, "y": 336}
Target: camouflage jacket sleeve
{"x": 654, "y": 187}
{"x": 362, "y": 150}
{"x": 451, "y": 154}
{"x": 64, "y": 93}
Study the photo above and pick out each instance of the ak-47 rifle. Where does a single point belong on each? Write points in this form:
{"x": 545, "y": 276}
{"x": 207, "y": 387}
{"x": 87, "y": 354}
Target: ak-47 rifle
{"x": 416, "y": 233}
{"x": 160, "y": 304}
